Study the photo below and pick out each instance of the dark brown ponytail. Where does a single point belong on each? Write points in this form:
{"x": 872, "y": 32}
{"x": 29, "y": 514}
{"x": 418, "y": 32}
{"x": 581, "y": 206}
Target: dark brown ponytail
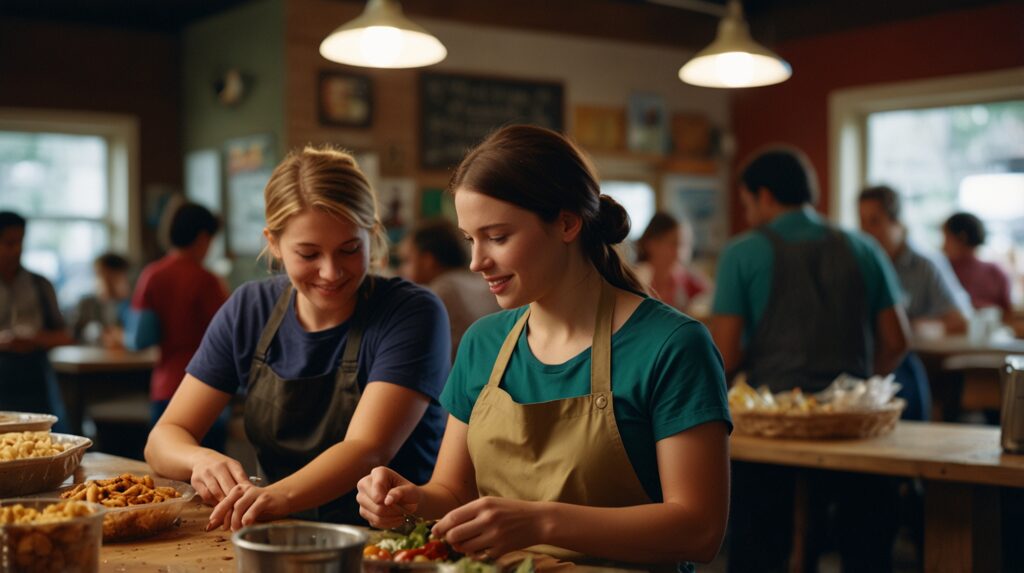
{"x": 541, "y": 171}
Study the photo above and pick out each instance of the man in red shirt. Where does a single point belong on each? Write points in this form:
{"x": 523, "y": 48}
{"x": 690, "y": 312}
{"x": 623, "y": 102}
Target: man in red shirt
{"x": 174, "y": 301}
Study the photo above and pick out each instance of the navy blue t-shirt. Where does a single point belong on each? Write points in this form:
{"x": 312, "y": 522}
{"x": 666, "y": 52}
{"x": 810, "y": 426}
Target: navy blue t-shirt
{"x": 406, "y": 342}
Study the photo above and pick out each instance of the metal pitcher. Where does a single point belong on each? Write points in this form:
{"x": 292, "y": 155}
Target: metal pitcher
{"x": 1012, "y": 414}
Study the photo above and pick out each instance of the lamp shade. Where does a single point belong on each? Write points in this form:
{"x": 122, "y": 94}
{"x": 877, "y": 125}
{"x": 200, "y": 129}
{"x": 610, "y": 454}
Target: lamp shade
{"x": 734, "y": 59}
{"x": 382, "y": 37}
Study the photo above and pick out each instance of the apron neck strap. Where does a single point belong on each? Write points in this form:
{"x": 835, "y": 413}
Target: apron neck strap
{"x": 350, "y": 356}
{"x": 601, "y": 347}
{"x": 273, "y": 323}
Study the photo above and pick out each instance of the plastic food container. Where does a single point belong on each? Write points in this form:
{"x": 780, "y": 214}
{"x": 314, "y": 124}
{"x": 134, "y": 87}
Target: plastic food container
{"x": 33, "y": 475}
{"x": 143, "y": 520}
{"x": 67, "y": 546}
{"x": 22, "y": 421}
{"x": 305, "y": 547}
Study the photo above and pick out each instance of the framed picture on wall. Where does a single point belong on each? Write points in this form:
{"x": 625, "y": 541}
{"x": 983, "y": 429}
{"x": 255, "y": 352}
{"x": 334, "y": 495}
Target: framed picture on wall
{"x": 345, "y": 99}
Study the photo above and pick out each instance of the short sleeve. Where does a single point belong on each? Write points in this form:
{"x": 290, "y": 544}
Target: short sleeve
{"x": 457, "y": 398}
{"x": 214, "y": 362}
{"x": 941, "y": 295}
{"x": 880, "y": 280}
{"x": 688, "y": 383}
{"x": 730, "y": 292}
{"x": 414, "y": 348}
{"x": 140, "y": 297}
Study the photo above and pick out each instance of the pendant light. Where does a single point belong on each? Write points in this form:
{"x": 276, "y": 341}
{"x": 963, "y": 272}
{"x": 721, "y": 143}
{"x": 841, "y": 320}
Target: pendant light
{"x": 382, "y": 37}
{"x": 734, "y": 59}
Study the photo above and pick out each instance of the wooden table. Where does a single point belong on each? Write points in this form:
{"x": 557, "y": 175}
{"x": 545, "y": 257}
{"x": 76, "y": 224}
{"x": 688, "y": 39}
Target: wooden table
{"x": 187, "y": 548}
{"x": 90, "y": 372}
{"x": 962, "y": 467}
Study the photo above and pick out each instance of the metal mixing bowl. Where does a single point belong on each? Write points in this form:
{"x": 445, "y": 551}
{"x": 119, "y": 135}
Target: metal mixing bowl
{"x": 299, "y": 548}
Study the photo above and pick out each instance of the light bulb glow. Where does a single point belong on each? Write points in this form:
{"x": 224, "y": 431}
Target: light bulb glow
{"x": 734, "y": 69}
{"x": 381, "y": 45}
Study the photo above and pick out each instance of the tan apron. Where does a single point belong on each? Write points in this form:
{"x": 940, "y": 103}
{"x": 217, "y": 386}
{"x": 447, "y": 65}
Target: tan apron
{"x": 565, "y": 450}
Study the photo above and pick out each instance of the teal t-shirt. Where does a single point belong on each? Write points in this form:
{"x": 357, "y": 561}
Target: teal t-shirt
{"x": 667, "y": 377}
{"x": 744, "y": 278}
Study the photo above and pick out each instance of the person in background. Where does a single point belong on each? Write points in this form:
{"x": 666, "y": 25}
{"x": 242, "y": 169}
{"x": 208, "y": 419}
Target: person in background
{"x": 99, "y": 318}
{"x": 585, "y": 417}
{"x": 798, "y": 302}
{"x": 986, "y": 282}
{"x": 30, "y": 325}
{"x": 664, "y": 252}
{"x": 930, "y": 291}
{"x": 341, "y": 369}
{"x": 174, "y": 301}
{"x": 434, "y": 254}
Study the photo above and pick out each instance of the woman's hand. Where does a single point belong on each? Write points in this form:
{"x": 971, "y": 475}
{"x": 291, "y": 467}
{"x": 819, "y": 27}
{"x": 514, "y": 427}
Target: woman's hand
{"x": 214, "y": 475}
{"x": 246, "y": 503}
{"x": 490, "y": 527}
{"x": 385, "y": 498}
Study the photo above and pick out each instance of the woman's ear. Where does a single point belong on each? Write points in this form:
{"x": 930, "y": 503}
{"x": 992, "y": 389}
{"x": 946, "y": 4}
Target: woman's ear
{"x": 569, "y": 225}
{"x": 272, "y": 243}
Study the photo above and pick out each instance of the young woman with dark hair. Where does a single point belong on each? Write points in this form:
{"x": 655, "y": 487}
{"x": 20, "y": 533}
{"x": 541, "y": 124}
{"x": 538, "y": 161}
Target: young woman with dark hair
{"x": 584, "y": 401}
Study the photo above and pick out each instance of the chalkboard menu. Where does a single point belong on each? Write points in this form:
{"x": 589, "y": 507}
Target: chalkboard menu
{"x": 457, "y": 112}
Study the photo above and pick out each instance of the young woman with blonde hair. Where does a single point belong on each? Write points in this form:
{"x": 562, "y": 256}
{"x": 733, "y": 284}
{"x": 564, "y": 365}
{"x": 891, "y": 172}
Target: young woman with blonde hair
{"x": 341, "y": 369}
{"x": 587, "y": 421}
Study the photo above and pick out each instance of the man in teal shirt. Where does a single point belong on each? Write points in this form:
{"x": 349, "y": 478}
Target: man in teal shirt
{"x": 797, "y": 303}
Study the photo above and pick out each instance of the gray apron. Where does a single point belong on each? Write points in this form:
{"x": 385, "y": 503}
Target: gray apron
{"x": 292, "y": 421}
{"x": 816, "y": 324}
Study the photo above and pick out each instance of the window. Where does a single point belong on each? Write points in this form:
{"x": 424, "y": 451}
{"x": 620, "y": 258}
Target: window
{"x": 947, "y": 145}
{"x": 948, "y": 159}
{"x": 68, "y": 177}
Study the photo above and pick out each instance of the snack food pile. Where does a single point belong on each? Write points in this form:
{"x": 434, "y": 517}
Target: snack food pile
{"x": 49, "y": 540}
{"x": 845, "y": 394}
{"x": 121, "y": 491}
{"x": 24, "y": 445}
{"x": 135, "y": 503}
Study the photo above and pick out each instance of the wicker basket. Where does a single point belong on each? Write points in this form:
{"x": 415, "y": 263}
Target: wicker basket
{"x": 821, "y": 425}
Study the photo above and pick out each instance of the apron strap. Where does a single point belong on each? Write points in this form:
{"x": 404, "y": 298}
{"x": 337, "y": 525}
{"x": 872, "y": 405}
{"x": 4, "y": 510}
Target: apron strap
{"x": 506, "y": 350}
{"x": 348, "y": 371}
{"x": 273, "y": 323}
{"x": 601, "y": 348}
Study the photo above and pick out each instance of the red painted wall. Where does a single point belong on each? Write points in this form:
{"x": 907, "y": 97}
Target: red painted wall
{"x": 85, "y": 68}
{"x": 796, "y": 111}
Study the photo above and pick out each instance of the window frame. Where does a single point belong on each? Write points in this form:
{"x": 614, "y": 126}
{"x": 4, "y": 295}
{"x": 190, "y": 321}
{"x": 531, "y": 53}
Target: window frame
{"x": 849, "y": 110}
{"x": 121, "y": 132}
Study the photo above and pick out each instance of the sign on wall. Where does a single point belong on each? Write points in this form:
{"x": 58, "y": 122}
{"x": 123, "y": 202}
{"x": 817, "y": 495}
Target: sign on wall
{"x": 458, "y": 111}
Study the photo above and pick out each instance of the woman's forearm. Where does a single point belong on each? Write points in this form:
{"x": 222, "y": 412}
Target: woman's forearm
{"x": 170, "y": 451}
{"x": 436, "y": 500}
{"x": 653, "y": 533}
{"x": 330, "y": 475}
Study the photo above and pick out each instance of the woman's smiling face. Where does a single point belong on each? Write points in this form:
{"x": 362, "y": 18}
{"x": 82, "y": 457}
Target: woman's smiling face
{"x": 519, "y": 255}
{"x": 326, "y": 258}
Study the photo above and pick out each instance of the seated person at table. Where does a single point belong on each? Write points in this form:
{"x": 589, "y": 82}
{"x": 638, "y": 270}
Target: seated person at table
{"x": 987, "y": 283}
{"x": 174, "y": 301}
{"x": 930, "y": 291}
{"x": 797, "y": 303}
{"x": 585, "y": 418}
{"x": 99, "y": 318}
{"x": 30, "y": 325}
{"x": 663, "y": 253}
{"x": 434, "y": 255}
{"x": 341, "y": 368}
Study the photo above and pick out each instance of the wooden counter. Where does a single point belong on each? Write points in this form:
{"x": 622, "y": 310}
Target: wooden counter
{"x": 183, "y": 549}
{"x": 960, "y": 465}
